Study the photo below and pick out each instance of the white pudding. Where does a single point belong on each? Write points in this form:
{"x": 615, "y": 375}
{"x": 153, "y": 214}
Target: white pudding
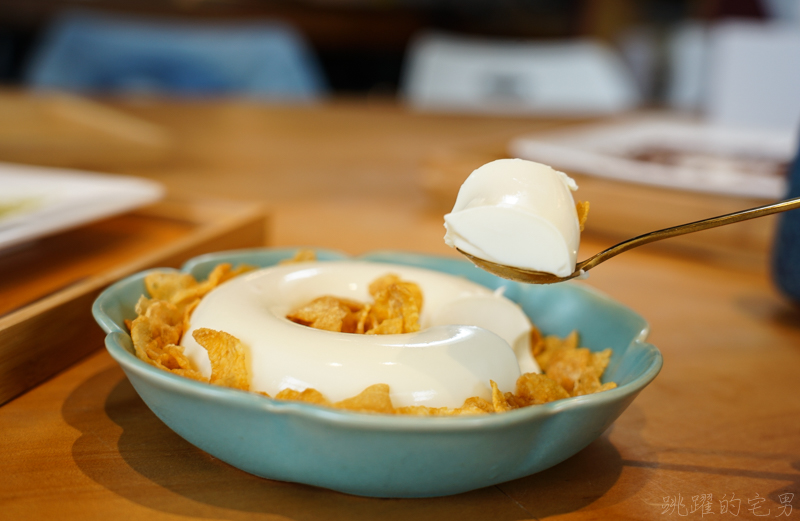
{"x": 518, "y": 213}
{"x": 467, "y": 336}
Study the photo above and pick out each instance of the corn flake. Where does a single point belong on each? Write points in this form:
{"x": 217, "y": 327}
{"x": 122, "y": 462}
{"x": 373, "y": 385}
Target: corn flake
{"x": 499, "y": 400}
{"x": 399, "y": 304}
{"x": 577, "y": 369}
{"x": 300, "y": 256}
{"x": 309, "y": 396}
{"x": 474, "y": 405}
{"x": 328, "y": 313}
{"x": 396, "y": 309}
{"x": 228, "y": 357}
{"x": 536, "y": 389}
{"x": 423, "y": 410}
{"x": 155, "y": 335}
{"x": 165, "y": 285}
{"x": 582, "y": 207}
{"x": 374, "y": 398}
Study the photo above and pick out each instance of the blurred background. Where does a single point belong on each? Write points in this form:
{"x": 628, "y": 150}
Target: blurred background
{"x": 365, "y": 47}
{"x": 665, "y": 111}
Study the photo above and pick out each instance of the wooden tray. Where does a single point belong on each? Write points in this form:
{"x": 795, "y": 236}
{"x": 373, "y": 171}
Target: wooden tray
{"x": 47, "y": 288}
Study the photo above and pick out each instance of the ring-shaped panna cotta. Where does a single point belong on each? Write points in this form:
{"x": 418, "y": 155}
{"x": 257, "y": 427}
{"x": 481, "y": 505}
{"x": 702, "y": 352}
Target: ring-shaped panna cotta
{"x": 469, "y": 335}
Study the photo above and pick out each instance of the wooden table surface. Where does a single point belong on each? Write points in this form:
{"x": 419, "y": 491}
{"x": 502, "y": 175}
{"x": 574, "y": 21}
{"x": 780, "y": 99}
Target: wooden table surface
{"x": 716, "y": 435}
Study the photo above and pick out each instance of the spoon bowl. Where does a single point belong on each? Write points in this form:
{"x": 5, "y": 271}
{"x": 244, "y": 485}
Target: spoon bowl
{"x": 540, "y": 277}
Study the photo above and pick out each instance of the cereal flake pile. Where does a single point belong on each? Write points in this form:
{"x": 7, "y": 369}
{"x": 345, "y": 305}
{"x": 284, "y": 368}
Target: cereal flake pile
{"x": 569, "y": 370}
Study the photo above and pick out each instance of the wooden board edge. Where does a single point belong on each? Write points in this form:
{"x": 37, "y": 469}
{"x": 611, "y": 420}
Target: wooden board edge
{"x": 48, "y": 336}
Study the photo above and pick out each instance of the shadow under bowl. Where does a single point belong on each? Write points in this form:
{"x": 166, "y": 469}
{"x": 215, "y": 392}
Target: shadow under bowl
{"x": 383, "y": 455}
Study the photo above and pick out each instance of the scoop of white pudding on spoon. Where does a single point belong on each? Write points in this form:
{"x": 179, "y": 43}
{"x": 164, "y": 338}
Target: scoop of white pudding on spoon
{"x": 517, "y": 220}
{"x": 517, "y": 213}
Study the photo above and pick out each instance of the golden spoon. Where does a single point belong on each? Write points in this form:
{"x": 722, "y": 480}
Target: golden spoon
{"x": 539, "y": 277}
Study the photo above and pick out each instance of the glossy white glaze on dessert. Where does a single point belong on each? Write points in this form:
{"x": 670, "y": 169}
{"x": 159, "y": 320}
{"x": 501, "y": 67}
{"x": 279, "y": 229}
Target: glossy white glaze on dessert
{"x": 468, "y": 335}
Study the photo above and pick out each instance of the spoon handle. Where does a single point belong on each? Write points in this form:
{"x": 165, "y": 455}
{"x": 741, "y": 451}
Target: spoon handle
{"x": 674, "y": 231}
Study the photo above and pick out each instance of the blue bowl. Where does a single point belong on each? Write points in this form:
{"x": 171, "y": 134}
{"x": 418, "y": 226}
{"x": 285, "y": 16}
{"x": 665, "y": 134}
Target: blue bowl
{"x": 393, "y": 456}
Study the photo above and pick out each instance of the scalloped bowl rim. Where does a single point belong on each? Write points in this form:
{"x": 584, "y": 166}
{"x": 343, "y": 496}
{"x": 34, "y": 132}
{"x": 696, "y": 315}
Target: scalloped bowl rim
{"x": 364, "y": 420}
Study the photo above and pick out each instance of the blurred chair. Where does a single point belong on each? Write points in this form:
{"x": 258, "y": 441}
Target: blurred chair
{"x": 754, "y": 75}
{"x": 95, "y": 53}
{"x": 739, "y": 73}
{"x": 571, "y": 77}
{"x": 687, "y": 62}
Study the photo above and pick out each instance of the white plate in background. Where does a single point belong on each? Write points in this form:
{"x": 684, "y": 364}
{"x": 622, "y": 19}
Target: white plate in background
{"x": 39, "y": 201}
{"x": 671, "y": 152}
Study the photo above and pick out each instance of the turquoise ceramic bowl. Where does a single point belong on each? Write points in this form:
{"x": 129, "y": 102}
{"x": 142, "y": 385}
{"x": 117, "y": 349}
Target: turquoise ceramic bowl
{"x": 389, "y": 456}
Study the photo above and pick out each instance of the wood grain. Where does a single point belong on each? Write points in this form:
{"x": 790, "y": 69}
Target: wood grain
{"x": 722, "y": 418}
{"x": 49, "y": 286}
